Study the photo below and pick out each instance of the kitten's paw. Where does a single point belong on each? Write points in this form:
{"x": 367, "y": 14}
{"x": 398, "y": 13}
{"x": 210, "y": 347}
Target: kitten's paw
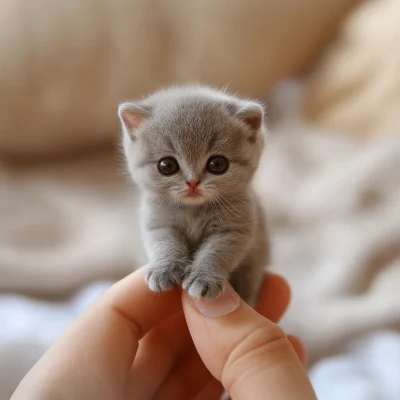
{"x": 162, "y": 278}
{"x": 200, "y": 285}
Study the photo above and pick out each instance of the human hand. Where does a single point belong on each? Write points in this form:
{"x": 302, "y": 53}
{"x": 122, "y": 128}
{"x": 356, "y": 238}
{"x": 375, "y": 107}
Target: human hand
{"x": 134, "y": 344}
{"x": 248, "y": 353}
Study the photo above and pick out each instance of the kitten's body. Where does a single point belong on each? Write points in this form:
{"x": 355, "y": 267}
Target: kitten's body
{"x": 197, "y": 224}
{"x": 198, "y": 240}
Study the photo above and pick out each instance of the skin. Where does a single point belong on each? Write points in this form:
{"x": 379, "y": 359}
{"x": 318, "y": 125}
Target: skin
{"x": 134, "y": 344}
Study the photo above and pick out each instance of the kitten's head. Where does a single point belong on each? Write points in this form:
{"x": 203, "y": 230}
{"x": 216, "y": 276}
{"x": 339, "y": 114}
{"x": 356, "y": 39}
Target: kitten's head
{"x": 192, "y": 144}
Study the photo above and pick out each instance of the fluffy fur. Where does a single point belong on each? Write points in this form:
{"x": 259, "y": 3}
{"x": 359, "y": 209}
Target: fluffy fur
{"x": 219, "y": 233}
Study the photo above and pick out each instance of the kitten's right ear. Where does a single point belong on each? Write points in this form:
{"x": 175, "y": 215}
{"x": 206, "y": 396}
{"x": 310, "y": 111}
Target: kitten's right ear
{"x": 131, "y": 116}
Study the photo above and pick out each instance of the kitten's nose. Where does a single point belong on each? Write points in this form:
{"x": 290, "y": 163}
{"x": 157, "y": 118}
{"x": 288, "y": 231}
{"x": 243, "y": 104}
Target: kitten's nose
{"x": 192, "y": 183}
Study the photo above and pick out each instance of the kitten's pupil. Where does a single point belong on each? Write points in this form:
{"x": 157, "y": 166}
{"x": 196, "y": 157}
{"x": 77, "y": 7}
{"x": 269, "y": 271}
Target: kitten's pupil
{"x": 217, "y": 165}
{"x": 168, "y": 166}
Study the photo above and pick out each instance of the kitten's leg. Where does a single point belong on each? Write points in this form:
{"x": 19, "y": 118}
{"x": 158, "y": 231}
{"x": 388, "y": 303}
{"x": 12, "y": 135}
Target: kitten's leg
{"x": 249, "y": 275}
{"x": 216, "y": 258}
{"x": 169, "y": 256}
{"x": 247, "y": 280}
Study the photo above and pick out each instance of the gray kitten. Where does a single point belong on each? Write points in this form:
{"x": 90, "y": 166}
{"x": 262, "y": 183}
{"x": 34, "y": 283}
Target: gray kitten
{"x": 193, "y": 152}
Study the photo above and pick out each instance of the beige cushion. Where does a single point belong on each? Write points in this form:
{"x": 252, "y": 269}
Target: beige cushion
{"x": 66, "y": 64}
{"x": 356, "y": 87}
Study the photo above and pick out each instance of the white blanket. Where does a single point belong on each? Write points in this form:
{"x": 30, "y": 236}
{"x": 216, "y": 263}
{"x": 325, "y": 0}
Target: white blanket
{"x": 334, "y": 216}
{"x": 29, "y": 327}
{"x": 368, "y": 369}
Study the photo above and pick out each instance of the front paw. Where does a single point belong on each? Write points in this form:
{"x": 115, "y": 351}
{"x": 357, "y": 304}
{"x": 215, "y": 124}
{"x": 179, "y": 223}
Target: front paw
{"x": 165, "y": 277}
{"x": 202, "y": 285}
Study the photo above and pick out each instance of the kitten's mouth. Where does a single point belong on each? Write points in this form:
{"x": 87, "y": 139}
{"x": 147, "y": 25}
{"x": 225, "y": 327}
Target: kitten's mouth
{"x": 194, "y": 194}
{"x": 193, "y": 197}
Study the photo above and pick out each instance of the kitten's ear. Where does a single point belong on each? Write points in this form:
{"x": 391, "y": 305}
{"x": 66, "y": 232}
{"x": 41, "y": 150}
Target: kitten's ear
{"x": 131, "y": 116}
{"x": 252, "y": 114}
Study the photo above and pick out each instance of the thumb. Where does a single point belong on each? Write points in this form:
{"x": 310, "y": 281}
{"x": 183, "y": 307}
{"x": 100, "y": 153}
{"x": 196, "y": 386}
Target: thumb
{"x": 248, "y": 353}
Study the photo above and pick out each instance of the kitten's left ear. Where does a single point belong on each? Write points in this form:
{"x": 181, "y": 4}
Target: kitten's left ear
{"x": 131, "y": 116}
{"x": 252, "y": 114}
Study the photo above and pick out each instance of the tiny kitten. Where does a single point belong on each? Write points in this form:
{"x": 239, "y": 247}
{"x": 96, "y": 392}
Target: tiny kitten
{"x": 193, "y": 152}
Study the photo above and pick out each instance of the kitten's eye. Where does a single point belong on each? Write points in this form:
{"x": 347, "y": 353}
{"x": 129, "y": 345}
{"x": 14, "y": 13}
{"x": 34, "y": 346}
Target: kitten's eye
{"x": 217, "y": 165}
{"x": 168, "y": 166}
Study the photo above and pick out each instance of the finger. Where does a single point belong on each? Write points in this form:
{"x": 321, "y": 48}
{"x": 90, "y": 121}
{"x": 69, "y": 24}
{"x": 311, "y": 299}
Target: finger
{"x": 137, "y": 305}
{"x": 248, "y": 353}
{"x": 212, "y": 391}
{"x": 102, "y": 343}
{"x": 272, "y": 303}
{"x": 187, "y": 379}
{"x": 298, "y": 348}
{"x": 159, "y": 351}
{"x": 274, "y": 297}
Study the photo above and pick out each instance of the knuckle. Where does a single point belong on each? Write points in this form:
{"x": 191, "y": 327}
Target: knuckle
{"x": 253, "y": 354}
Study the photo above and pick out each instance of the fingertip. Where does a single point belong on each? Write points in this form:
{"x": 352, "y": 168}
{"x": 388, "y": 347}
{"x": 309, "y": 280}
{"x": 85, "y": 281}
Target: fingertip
{"x": 218, "y": 307}
{"x": 299, "y": 348}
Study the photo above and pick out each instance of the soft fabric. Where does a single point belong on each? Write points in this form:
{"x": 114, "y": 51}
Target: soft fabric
{"x": 367, "y": 369}
{"x": 356, "y": 86}
{"x": 66, "y": 223}
{"x": 65, "y": 65}
{"x": 333, "y": 207}
{"x": 30, "y": 326}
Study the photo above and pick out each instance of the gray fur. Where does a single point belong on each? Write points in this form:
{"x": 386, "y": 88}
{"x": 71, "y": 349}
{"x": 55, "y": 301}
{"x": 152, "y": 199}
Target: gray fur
{"x": 201, "y": 242}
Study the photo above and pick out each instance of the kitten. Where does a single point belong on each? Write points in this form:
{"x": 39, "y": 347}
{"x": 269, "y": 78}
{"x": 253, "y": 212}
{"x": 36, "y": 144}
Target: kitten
{"x": 193, "y": 152}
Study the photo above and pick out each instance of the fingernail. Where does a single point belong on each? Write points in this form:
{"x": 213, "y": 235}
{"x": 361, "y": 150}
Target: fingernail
{"x": 227, "y": 302}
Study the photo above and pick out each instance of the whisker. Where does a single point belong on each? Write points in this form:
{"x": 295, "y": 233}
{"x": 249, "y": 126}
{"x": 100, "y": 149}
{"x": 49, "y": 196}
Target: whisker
{"x": 223, "y": 209}
{"x": 229, "y": 208}
{"x": 231, "y": 205}
{"x": 215, "y": 209}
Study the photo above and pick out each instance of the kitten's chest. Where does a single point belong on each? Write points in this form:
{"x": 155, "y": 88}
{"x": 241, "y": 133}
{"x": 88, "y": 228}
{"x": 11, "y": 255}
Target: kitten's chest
{"x": 195, "y": 227}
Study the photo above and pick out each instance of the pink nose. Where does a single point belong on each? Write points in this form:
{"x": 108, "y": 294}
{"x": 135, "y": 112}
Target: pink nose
{"x": 193, "y": 184}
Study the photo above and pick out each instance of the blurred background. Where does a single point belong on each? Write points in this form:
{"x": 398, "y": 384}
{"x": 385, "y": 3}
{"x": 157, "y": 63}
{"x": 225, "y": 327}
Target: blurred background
{"x": 330, "y": 178}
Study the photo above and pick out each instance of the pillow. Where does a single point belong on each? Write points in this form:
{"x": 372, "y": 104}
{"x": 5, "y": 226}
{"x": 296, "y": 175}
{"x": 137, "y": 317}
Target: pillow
{"x": 66, "y": 64}
{"x": 356, "y": 86}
